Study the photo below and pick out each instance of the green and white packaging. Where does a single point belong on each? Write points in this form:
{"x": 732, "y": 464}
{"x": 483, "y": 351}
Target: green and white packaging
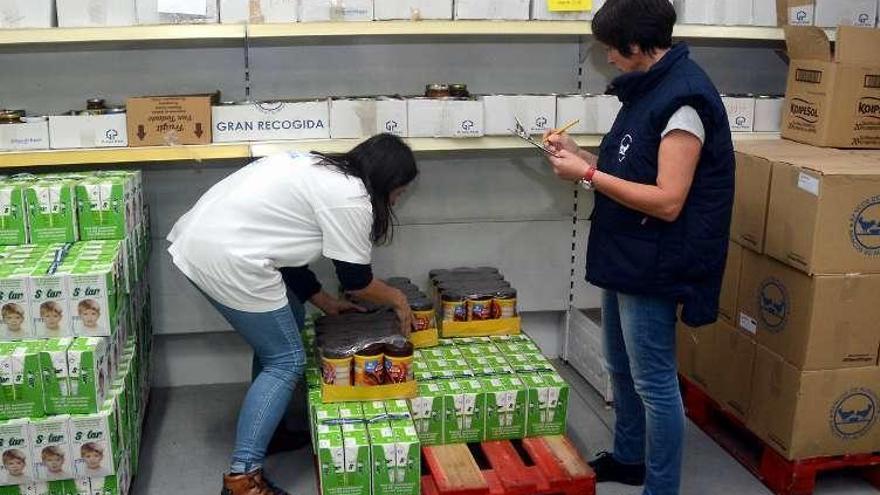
{"x": 13, "y": 214}
{"x": 331, "y": 459}
{"x": 374, "y": 410}
{"x": 95, "y": 443}
{"x": 465, "y": 416}
{"x": 15, "y": 309}
{"x": 450, "y": 352}
{"x": 357, "y": 459}
{"x": 408, "y": 471}
{"x": 22, "y": 380}
{"x": 506, "y": 404}
{"x": 548, "y": 404}
{"x": 53, "y": 364}
{"x": 433, "y": 353}
{"x": 397, "y": 409}
{"x": 93, "y": 299}
{"x": 351, "y": 410}
{"x": 529, "y": 363}
{"x": 17, "y": 467}
{"x": 50, "y": 440}
{"x": 103, "y": 207}
{"x": 117, "y": 484}
{"x": 88, "y": 375}
{"x": 7, "y": 393}
{"x": 383, "y": 457}
{"x": 51, "y": 206}
{"x": 428, "y": 412}
{"x": 49, "y": 292}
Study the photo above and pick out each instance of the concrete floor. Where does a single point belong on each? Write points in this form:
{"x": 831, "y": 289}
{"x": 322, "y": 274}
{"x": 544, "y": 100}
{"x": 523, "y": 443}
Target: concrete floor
{"x": 189, "y": 435}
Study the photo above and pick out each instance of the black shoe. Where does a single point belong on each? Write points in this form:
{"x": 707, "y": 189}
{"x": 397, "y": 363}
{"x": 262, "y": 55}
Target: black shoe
{"x": 285, "y": 440}
{"x": 608, "y": 469}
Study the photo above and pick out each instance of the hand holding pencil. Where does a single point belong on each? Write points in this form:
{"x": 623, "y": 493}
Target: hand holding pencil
{"x": 557, "y": 139}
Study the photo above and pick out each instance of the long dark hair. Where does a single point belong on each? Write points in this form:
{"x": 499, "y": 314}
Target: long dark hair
{"x": 384, "y": 163}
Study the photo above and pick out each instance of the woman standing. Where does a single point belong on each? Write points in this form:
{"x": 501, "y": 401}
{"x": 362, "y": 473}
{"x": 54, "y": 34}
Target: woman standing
{"x": 664, "y": 181}
{"x": 287, "y": 211}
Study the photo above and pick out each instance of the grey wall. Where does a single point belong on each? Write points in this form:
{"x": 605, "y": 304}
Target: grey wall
{"x": 499, "y": 208}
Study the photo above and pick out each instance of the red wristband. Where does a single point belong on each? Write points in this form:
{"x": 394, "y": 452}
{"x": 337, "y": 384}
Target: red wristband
{"x": 588, "y": 175}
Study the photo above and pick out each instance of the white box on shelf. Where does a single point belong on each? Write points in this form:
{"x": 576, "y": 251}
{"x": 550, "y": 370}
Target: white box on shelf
{"x": 833, "y": 13}
{"x": 536, "y": 112}
{"x": 736, "y": 13}
{"x": 444, "y": 117}
{"x": 740, "y": 112}
{"x": 268, "y": 121}
{"x": 31, "y": 134}
{"x": 363, "y": 117}
{"x": 764, "y": 13}
{"x": 607, "y": 108}
{"x": 386, "y": 10}
{"x": 578, "y": 107}
{"x": 698, "y": 11}
{"x": 149, "y": 12}
{"x": 768, "y": 113}
{"x": 799, "y": 12}
{"x": 541, "y": 12}
{"x": 258, "y": 11}
{"x": 509, "y": 10}
{"x": 335, "y": 10}
{"x": 88, "y": 131}
{"x": 586, "y": 354}
{"x": 15, "y": 14}
{"x": 96, "y": 13}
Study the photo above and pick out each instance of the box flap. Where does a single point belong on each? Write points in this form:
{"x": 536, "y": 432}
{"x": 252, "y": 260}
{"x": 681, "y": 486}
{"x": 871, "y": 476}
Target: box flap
{"x": 858, "y": 45}
{"x": 807, "y": 43}
{"x": 825, "y": 161}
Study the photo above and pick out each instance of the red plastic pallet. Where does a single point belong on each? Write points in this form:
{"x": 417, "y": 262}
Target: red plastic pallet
{"x": 534, "y": 466}
{"x": 780, "y": 475}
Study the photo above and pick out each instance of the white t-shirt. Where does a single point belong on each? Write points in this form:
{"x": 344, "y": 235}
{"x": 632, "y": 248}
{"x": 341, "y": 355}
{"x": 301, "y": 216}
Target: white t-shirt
{"x": 281, "y": 211}
{"x": 686, "y": 119}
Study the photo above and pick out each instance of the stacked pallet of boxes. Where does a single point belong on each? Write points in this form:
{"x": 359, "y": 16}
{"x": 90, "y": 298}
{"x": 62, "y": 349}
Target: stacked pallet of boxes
{"x": 75, "y": 331}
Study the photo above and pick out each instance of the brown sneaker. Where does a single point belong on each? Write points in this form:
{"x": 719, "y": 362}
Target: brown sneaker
{"x": 249, "y": 484}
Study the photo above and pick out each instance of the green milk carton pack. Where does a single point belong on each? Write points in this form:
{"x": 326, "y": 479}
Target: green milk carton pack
{"x": 398, "y": 409}
{"x": 95, "y": 443}
{"x": 440, "y": 368}
{"x": 383, "y": 457}
{"x": 450, "y": 352}
{"x": 548, "y": 404}
{"x": 13, "y": 214}
{"x": 17, "y": 467}
{"x": 88, "y": 375}
{"x": 53, "y": 364}
{"x": 103, "y": 208}
{"x": 117, "y": 484}
{"x": 93, "y": 299}
{"x": 350, "y": 410}
{"x": 357, "y": 459}
{"x": 433, "y": 353}
{"x": 7, "y": 391}
{"x": 49, "y": 297}
{"x": 529, "y": 363}
{"x": 465, "y": 406}
{"x": 331, "y": 459}
{"x": 408, "y": 469}
{"x": 428, "y": 412}
{"x": 24, "y": 396}
{"x": 374, "y": 410}
{"x": 15, "y": 309}
{"x": 425, "y": 376}
{"x": 445, "y": 342}
{"x": 506, "y": 404}
{"x": 51, "y": 207}
{"x": 50, "y": 441}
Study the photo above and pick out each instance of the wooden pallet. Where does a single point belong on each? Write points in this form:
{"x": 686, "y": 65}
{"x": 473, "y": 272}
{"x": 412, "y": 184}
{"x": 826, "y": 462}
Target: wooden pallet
{"x": 534, "y": 466}
{"x": 780, "y": 475}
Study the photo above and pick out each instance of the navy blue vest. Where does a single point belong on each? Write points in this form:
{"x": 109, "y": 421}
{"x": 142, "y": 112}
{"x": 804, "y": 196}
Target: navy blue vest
{"x": 634, "y": 253}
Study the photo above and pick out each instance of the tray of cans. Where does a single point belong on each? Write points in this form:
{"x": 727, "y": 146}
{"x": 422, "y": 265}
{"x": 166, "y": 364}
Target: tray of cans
{"x": 475, "y": 302}
{"x": 424, "y": 332}
{"x": 364, "y": 356}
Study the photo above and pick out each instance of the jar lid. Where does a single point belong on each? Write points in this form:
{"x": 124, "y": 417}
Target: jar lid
{"x": 334, "y": 354}
{"x": 373, "y": 349}
{"x": 401, "y": 348}
{"x": 422, "y": 304}
{"x": 95, "y": 103}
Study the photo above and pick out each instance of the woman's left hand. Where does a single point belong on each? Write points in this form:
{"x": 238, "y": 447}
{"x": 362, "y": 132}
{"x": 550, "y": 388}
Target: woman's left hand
{"x": 332, "y": 306}
{"x": 568, "y": 165}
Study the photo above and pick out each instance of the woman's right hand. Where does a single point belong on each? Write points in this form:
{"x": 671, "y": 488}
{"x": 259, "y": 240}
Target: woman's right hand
{"x": 558, "y": 142}
{"x": 405, "y": 315}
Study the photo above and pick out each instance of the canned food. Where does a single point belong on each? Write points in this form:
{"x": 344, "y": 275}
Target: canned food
{"x": 369, "y": 366}
{"x": 504, "y": 303}
{"x": 34, "y": 120}
{"x": 423, "y": 314}
{"x": 336, "y": 368}
{"x": 95, "y": 104}
{"x": 114, "y": 110}
{"x": 479, "y": 307}
{"x": 11, "y": 116}
{"x": 399, "y": 362}
{"x": 454, "y": 306}
{"x": 437, "y": 90}
{"x": 458, "y": 91}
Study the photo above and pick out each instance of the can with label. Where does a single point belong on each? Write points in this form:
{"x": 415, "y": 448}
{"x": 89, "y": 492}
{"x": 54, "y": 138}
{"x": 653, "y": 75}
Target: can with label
{"x": 399, "y": 362}
{"x": 504, "y": 303}
{"x": 369, "y": 366}
{"x": 336, "y": 367}
{"x": 423, "y": 314}
{"x": 454, "y": 306}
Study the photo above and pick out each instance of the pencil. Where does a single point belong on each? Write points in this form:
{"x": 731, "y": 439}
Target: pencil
{"x": 566, "y": 127}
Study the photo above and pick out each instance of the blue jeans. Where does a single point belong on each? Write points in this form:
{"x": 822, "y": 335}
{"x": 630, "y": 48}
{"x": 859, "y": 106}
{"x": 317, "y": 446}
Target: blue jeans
{"x": 274, "y": 337}
{"x": 640, "y": 352}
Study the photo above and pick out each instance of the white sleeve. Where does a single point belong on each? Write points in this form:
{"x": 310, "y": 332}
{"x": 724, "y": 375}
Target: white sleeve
{"x": 686, "y": 119}
{"x": 346, "y": 233}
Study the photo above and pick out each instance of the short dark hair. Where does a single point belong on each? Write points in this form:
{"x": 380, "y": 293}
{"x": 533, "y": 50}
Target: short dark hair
{"x": 384, "y": 163}
{"x": 645, "y": 23}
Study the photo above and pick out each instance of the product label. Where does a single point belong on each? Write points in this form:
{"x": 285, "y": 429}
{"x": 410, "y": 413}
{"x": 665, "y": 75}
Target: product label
{"x": 808, "y": 183}
{"x": 748, "y": 323}
{"x": 51, "y": 448}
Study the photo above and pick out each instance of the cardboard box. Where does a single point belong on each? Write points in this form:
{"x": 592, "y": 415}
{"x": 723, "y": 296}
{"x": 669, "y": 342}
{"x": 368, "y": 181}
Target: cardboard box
{"x": 814, "y": 413}
{"x": 19, "y": 14}
{"x": 698, "y": 11}
{"x": 258, "y": 11}
{"x": 833, "y": 97}
{"x": 31, "y": 134}
{"x": 415, "y": 10}
{"x": 740, "y": 112}
{"x": 268, "y": 121}
{"x": 50, "y": 440}
{"x": 364, "y": 117}
{"x": 730, "y": 284}
{"x": 823, "y": 212}
{"x": 768, "y": 113}
{"x": 736, "y": 13}
{"x": 88, "y": 131}
{"x": 833, "y": 13}
{"x": 96, "y": 13}
{"x": 734, "y": 356}
{"x": 752, "y": 195}
{"x": 764, "y": 13}
{"x": 335, "y": 10}
{"x": 795, "y": 12}
{"x": 541, "y": 12}
{"x": 695, "y": 348}
{"x": 607, "y": 108}
{"x": 15, "y": 443}
{"x": 578, "y": 107}
{"x": 170, "y": 120}
{"x": 815, "y": 323}
{"x": 536, "y": 112}
{"x": 429, "y": 117}
{"x": 511, "y": 10}
{"x": 148, "y": 12}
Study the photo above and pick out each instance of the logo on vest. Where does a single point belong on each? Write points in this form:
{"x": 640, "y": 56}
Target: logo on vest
{"x": 625, "y": 144}
{"x": 854, "y": 413}
{"x": 865, "y": 227}
{"x": 773, "y": 301}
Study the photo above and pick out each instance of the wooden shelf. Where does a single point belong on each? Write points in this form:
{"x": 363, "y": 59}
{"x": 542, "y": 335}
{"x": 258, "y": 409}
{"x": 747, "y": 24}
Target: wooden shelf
{"x": 419, "y": 28}
{"x": 160, "y": 154}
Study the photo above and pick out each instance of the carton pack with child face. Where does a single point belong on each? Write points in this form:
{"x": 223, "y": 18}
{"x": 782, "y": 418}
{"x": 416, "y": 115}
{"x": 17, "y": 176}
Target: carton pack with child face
{"x": 49, "y": 291}
{"x": 50, "y": 441}
{"x": 505, "y": 407}
{"x": 465, "y": 406}
{"x": 13, "y": 214}
{"x": 105, "y": 207}
{"x": 93, "y": 299}
{"x": 17, "y": 323}
{"x": 117, "y": 484}
{"x": 51, "y": 207}
{"x": 17, "y": 466}
{"x": 22, "y": 380}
